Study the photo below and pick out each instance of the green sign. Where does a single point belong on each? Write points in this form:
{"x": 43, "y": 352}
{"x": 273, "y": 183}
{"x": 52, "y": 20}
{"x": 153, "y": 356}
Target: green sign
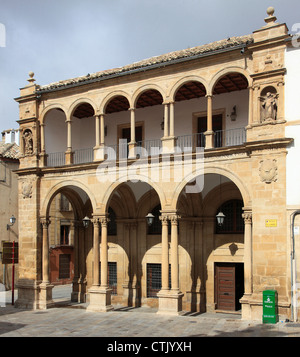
{"x": 270, "y": 302}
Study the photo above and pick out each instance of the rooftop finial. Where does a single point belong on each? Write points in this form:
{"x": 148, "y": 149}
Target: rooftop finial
{"x": 270, "y": 19}
{"x": 31, "y": 80}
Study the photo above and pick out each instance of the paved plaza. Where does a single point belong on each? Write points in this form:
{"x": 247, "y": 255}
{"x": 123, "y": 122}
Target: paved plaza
{"x": 71, "y": 320}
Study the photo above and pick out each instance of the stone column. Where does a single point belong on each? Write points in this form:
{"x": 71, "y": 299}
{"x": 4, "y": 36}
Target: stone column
{"x": 246, "y": 299}
{"x": 97, "y": 130}
{"x": 75, "y": 287}
{"x": 172, "y": 119}
{"x": 100, "y": 295}
{"x": 45, "y": 299}
{"x": 132, "y": 144}
{"x": 170, "y": 301}
{"x": 174, "y": 254}
{"x": 209, "y": 134}
{"x": 166, "y": 120}
{"x": 96, "y": 278}
{"x": 69, "y": 153}
{"x": 102, "y": 140}
{"x": 165, "y": 254}
{"x": 248, "y": 252}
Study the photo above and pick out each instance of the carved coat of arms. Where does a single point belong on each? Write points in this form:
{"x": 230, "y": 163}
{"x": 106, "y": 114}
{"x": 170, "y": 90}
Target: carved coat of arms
{"x": 268, "y": 170}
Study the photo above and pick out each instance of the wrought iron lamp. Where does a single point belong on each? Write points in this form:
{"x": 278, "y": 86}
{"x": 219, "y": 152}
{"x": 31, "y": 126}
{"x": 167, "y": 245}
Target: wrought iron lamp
{"x": 12, "y": 221}
{"x": 86, "y": 221}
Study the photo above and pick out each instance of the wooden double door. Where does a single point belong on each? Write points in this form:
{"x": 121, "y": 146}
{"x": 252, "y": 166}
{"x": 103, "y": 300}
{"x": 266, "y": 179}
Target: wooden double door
{"x": 229, "y": 286}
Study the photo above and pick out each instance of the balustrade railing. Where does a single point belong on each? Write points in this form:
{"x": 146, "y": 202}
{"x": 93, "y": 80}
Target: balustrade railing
{"x": 186, "y": 143}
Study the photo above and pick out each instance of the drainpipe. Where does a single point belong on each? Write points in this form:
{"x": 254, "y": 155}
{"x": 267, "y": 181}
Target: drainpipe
{"x": 293, "y": 270}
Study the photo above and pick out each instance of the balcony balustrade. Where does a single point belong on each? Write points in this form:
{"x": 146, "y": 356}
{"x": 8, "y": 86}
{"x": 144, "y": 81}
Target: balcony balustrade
{"x": 186, "y": 143}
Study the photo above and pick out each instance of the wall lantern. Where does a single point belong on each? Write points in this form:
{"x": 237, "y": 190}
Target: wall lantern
{"x": 233, "y": 114}
{"x": 162, "y": 125}
{"x": 86, "y": 221}
{"x": 150, "y": 219}
{"x": 12, "y": 221}
{"x": 220, "y": 218}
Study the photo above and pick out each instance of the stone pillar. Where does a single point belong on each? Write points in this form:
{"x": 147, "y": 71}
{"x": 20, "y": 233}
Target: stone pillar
{"x": 250, "y": 114}
{"x": 132, "y": 144}
{"x": 245, "y": 300}
{"x": 69, "y": 153}
{"x": 166, "y": 120}
{"x": 209, "y": 134}
{"x": 100, "y": 295}
{"x": 165, "y": 254}
{"x": 172, "y": 119}
{"x": 97, "y": 130}
{"x": 102, "y": 140}
{"x": 45, "y": 299}
{"x": 170, "y": 301}
{"x": 248, "y": 252}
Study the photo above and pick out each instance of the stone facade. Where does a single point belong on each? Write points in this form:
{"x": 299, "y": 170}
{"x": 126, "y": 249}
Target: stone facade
{"x": 70, "y": 133}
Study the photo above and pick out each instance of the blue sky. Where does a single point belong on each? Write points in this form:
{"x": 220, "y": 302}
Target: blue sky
{"x": 62, "y": 39}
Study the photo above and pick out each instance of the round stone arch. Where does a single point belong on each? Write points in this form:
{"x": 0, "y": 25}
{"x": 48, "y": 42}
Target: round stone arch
{"x": 50, "y": 107}
{"x": 105, "y": 101}
{"x": 223, "y": 72}
{"x": 212, "y": 170}
{"x": 79, "y": 102}
{"x": 182, "y": 81}
{"x": 60, "y": 187}
{"x": 136, "y": 95}
{"x": 114, "y": 186}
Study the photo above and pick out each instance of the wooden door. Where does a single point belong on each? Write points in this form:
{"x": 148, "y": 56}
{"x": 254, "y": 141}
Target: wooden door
{"x": 225, "y": 287}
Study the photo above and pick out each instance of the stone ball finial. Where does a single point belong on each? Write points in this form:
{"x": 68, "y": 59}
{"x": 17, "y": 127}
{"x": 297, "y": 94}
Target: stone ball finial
{"x": 31, "y": 79}
{"x": 270, "y": 11}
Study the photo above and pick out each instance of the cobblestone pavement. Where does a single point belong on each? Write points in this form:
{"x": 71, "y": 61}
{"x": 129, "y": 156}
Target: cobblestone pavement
{"x": 75, "y": 321}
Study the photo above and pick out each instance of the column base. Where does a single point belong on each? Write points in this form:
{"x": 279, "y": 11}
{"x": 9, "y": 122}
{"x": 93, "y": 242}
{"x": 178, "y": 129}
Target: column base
{"x": 169, "y": 144}
{"x": 69, "y": 157}
{"x": 28, "y": 294}
{"x": 78, "y": 292}
{"x": 170, "y": 302}
{"x": 100, "y": 299}
{"x": 209, "y": 139}
{"x": 45, "y": 300}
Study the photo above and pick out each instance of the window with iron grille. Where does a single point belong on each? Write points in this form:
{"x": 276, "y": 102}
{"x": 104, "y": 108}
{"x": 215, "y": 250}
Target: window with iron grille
{"x": 233, "y": 222}
{"x": 154, "y": 279}
{"x": 64, "y": 266}
{"x": 112, "y": 277}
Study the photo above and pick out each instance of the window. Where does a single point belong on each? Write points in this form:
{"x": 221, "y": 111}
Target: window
{"x": 112, "y": 277}
{"x": 64, "y": 234}
{"x": 154, "y": 279}
{"x": 64, "y": 266}
{"x": 233, "y": 222}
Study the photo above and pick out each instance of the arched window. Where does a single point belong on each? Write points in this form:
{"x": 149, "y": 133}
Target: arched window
{"x": 233, "y": 222}
{"x": 112, "y": 225}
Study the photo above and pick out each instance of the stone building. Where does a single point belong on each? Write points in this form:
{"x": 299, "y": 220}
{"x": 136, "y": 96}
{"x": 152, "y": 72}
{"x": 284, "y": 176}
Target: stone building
{"x": 9, "y": 162}
{"x": 179, "y": 139}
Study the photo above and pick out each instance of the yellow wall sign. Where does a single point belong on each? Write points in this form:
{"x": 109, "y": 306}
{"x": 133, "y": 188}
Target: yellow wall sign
{"x": 271, "y": 222}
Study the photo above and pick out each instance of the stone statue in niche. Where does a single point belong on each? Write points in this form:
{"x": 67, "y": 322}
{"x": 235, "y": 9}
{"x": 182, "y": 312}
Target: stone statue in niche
{"x": 28, "y": 142}
{"x": 269, "y": 107}
{"x": 268, "y": 170}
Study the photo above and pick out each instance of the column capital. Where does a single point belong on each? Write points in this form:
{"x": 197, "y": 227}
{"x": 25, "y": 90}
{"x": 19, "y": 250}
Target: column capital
{"x": 174, "y": 218}
{"x": 45, "y": 222}
{"x": 104, "y": 220}
{"x": 247, "y": 215}
{"x": 164, "y": 219}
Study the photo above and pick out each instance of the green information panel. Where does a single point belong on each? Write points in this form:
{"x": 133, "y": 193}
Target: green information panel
{"x": 270, "y": 309}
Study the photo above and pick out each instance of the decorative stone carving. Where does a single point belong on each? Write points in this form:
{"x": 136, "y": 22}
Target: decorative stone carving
{"x": 269, "y": 107}
{"x": 268, "y": 170}
{"x": 28, "y": 142}
{"x": 27, "y": 189}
